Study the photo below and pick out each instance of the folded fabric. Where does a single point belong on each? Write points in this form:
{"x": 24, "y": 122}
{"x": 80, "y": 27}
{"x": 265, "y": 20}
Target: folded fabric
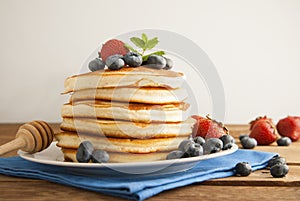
{"x": 136, "y": 188}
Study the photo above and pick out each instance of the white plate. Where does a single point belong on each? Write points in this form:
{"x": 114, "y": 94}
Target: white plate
{"x": 53, "y": 156}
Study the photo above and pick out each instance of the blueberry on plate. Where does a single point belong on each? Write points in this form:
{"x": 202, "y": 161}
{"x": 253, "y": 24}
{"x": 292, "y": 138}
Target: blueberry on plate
{"x": 284, "y": 141}
{"x": 228, "y": 141}
{"x": 248, "y": 142}
{"x": 279, "y": 170}
{"x": 84, "y": 152}
{"x": 115, "y": 62}
{"x": 243, "y": 169}
{"x": 156, "y": 61}
{"x": 212, "y": 145}
{"x": 96, "y": 64}
{"x": 100, "y": 156}
{"x": 133, "y": 59}
{"x": 199, "y": 140}
{"x": 186, "y": 145}
{"x": 196, "y": 151}
{"x": 169, "y": 64}
{"x": 175, "y": 155}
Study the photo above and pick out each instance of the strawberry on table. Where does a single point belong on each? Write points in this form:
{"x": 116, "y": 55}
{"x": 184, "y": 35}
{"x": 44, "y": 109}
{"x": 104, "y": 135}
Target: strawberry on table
{"x": 263, "y": 130}
{"x": 208, "y": 128}
{"x": 289, "y": 127}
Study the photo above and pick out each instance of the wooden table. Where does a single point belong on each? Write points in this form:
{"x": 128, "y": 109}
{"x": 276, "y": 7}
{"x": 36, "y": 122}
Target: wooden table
{"x": 260, "y": 185}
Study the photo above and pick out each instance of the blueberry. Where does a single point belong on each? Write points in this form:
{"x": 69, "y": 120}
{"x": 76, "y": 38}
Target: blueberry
{"x": 199, "y": 140}
{"x": 243, "y": 169}
{"x": 96, "y": 64}
{"x": 284, "y": 141}
{"x": 248, "y": 142}
{"x": 84, "y": 152}
{"x": 169, "y": 64}
{"x": 279, "y": 170}
{"x": 175, "y": 154}
{"x": 196, "y": 151}
{"x": 242, "y": 136}
{"x": 186, "y": 145}
{"x": 100, "y": 156}
{"x": 227, "y": 141}
{"x": 276, "y": 160}
{"x": 155, "y": 61}
{"x": 133, "y": 59}
{"x": 212, "y": 145}
{"x": 115, "y": 62}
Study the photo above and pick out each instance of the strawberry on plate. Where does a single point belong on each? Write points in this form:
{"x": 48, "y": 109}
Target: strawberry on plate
{"x": 289, "y": 127}
{"x": 112, "y": 47}
{"x": 208, "y": 128}
{"x": 263, "y": 130}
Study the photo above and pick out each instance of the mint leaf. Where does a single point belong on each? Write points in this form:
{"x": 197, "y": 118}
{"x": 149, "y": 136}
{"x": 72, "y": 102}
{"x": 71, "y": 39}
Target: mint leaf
{"x": 131, "y": 48}
{"x": 159, "y": 53}
{"x": 145, "y": 38}
{"x": 152, "y": 43}
{"x": 138, "y": 42}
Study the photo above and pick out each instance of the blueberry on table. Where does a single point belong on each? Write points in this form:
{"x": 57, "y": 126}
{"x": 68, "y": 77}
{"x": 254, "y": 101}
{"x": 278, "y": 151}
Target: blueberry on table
{"x": 115, "y": 62}
{"x": 175, "y": 154}
{"x": 155, "y": 61}
{"x": 248, "y": 142}
{"x": 242, "y": 136}
{"x": 100, "y": 156}
{"x": 279, "y": 170}
{"x": 212, "y": 145}
{"x": 133, "y": 59}
{"x": 276, "y": 160}
{"x": 243, "y": 169}
{"x": 284, "y": 141}
{"x": 96, "y": 64}
{"x": 199, "y": 140}
{"x": 84, "y": 152}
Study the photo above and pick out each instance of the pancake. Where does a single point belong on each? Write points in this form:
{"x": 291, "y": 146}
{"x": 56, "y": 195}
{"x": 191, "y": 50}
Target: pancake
{"x": 127, "y": 129}
{"x": 70, "y": 155}
{"x": 72, "y": 140}
{"x": 126, "y": 111}
{"x": 138, "y": 95}
{"x": 135, "y": 77}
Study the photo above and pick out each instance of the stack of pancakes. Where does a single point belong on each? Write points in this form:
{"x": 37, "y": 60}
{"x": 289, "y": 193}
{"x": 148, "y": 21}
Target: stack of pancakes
{"x": 135, "y": 114}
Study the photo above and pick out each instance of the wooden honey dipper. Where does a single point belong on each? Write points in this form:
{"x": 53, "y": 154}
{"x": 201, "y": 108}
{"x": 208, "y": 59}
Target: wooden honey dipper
{"x": 31, "y": 137}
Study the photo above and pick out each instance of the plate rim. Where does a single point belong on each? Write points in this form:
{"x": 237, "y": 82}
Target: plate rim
{"x": 30, "y": 157}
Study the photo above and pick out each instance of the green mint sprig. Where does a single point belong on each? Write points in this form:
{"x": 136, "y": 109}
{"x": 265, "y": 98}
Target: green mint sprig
{"x": 144, "y": 44}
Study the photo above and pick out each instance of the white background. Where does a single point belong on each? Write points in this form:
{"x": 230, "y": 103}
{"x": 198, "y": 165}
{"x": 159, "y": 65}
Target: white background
{"x": 254, "y": 44}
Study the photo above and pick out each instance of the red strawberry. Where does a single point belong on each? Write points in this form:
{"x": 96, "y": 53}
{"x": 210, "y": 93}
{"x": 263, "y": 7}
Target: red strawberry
{"x": 259, "y": 119}
{"x": 263, "y": 131}
{"x": 208, "y": 128}
{"x": 112, "y": 47}
{"x": 289, "y": 127}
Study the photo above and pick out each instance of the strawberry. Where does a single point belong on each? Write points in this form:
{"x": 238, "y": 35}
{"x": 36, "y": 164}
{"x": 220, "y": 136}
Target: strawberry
{"x": 263, "y": 130}
{"x": 259, "y": 119}
{"x": 112, "y": 47}
{"x": 208, "y": 128}
{"x": 289, "y": 127}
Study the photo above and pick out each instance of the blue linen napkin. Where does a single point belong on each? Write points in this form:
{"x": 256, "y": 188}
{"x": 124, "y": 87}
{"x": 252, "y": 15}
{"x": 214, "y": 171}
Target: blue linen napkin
{"x": 136, "y": 188}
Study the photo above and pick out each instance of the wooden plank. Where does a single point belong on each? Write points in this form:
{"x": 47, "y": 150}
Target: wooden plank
{"x": 48, "y": 191}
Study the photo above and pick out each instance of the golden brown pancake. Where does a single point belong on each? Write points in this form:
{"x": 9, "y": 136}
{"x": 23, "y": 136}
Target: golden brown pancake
{"x": 72, "y": 140}
{"x": 148, "y": 95}
{"x": 133, "y": 77}
{"x": 115, "y": 157}
{"x": 127, "y": 129}
{"x": 135, "y": 112}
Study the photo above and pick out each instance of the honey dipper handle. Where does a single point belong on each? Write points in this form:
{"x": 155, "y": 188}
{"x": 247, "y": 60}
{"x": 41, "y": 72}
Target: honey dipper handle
{"x": 12, "y": 145}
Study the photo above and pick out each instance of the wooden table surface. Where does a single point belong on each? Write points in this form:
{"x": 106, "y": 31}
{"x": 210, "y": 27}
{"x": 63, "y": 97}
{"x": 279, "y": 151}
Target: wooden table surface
{"x": 260, "y": 185}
